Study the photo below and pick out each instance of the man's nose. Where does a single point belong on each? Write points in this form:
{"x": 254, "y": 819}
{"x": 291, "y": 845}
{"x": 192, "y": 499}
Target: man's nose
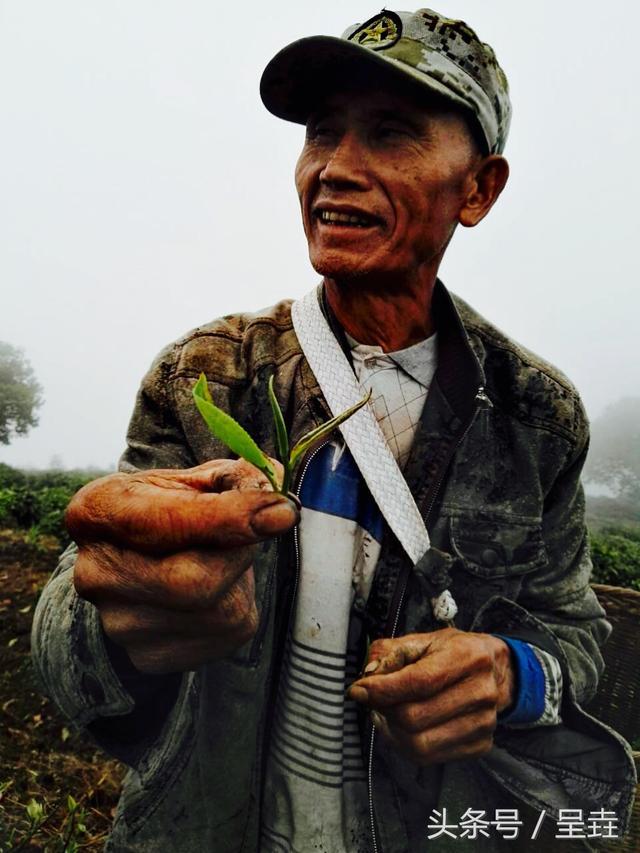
{"x": 346, "y": 163}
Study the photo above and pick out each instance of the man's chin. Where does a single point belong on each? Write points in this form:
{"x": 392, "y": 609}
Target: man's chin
{"x": 339, "y": 268}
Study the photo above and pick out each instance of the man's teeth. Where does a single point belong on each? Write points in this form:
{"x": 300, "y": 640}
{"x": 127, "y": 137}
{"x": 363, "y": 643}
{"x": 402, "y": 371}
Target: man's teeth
{"x": 329, "y": 216}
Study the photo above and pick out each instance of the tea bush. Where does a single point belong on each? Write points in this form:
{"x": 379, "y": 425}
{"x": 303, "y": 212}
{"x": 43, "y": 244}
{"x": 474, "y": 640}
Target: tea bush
{"x": 36, "y": 500}
{"x": 615, "y": 552}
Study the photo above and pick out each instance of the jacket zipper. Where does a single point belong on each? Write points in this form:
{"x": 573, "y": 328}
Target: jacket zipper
{"x": 481, "y": 399}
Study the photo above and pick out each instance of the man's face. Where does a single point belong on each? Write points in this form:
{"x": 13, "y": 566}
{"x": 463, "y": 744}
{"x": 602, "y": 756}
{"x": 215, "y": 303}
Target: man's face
{"x": 381, "y": 180}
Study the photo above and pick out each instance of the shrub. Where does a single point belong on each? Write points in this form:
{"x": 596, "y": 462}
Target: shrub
{"x": 7, "y": 503}
{"x": 10, "y": 477}
{"x": 50, "y": 504}
{"x": 616, "y": 557}
{"x": 36, "y": 500}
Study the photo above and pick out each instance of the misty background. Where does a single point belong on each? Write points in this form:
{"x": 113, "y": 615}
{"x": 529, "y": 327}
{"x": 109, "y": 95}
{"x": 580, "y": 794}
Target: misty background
{"x": 145, "y": 190}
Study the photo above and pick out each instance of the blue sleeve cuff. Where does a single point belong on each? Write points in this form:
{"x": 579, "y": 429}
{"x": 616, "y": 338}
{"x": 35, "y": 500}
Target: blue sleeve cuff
{"x": 530, "y": 684}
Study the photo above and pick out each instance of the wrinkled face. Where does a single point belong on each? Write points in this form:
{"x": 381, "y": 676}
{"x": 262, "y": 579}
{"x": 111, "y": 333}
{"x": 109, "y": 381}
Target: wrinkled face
{"x": 381, "y": 180}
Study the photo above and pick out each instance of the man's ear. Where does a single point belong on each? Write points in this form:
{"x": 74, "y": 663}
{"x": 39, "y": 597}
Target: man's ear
{"x": 486, "y": 185}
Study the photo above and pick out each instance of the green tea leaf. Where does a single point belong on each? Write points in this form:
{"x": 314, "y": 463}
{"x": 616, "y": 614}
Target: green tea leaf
{"x": 282, "y": 439}
{"x": 201, "y": 389}
{"x": 324, "y": 429}
{"x": 229, "y": 431}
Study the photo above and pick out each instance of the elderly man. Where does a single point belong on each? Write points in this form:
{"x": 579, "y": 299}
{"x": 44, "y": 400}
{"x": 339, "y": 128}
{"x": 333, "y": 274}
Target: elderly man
{"x": 204, "y": 629}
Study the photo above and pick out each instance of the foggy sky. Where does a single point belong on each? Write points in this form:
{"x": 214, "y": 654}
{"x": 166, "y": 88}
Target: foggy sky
{"x": 145, "y": 190}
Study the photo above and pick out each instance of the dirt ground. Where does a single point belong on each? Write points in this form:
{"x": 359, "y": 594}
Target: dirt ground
{"x": 57, "y": 790}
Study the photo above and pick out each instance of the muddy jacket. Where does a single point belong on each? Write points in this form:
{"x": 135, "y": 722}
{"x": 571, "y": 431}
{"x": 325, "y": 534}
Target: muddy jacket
{"x": 495, "y": 470}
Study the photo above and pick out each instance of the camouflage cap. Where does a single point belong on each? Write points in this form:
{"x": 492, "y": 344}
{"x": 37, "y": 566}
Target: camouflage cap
{"x": 442, "y": 54}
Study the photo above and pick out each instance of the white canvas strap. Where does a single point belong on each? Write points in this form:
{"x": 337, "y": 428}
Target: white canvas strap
{"x": 363, "y": 436}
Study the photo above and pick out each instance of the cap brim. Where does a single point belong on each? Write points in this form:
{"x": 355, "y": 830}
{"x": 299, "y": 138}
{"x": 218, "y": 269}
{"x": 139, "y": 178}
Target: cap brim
{"x": 303, "y": 72}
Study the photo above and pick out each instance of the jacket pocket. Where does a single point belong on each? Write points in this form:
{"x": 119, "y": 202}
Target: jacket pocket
{"x": 497, "y": 548}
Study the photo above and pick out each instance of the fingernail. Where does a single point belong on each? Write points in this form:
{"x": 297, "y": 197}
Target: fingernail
{"x": 295, "y": 500}
{"x": 371, "y": 667}
{"x": 358, "y": 694}
{"x": 274, "y": 518}
{"x": 377, "y": 719}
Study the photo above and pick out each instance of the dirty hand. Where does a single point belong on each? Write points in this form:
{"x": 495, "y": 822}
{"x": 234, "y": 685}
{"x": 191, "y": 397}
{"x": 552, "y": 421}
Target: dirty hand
{"x": 166, "y": 557}
{"x": 436, "y": 696}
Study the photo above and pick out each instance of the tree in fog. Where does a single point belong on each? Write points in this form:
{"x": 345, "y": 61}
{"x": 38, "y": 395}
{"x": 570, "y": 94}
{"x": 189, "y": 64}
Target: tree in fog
{"x": 614, "y": 455}
{"x": 20, "y": 394}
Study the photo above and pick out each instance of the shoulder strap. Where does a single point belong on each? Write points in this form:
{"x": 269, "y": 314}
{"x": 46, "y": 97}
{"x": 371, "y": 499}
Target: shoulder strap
{"x": 363, "y": 437}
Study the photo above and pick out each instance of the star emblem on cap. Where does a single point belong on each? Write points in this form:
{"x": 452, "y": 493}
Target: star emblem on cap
{"x": 379, "y": 32}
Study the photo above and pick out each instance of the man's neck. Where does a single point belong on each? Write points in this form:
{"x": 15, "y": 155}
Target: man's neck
{"x": 391, "y": 318}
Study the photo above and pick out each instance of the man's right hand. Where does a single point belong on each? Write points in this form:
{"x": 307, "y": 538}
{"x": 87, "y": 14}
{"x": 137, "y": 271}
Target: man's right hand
{"x": 166, "y": 557}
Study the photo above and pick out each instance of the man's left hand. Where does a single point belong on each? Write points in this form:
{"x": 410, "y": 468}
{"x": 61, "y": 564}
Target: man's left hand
{"x": 436, "y": 696}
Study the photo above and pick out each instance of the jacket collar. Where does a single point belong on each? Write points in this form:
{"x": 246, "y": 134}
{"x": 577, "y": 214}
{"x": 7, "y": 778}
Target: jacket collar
{"x": 459, "y": 374}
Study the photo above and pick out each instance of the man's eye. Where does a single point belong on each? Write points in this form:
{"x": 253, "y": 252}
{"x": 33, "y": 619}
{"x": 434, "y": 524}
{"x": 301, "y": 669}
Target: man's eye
{"x": 320, "y": 131}
{"x": 388, "y": 130}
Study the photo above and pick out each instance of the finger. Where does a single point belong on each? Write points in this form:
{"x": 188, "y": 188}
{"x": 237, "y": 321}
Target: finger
{"x": 242, "y": 475}
{"x": 468, "y": 696}
{"x": 191, "y": 580}
{"x": 216, "y": 475}
{"x": 414, "y": 682}
{"x": 140, "y": 515}
{"x": 165, "y": 656}
{"x": 143, "y": 625}
{"x": 461, "y": 752}
{"x": 449, "y": 655}
{"x": 463, "y": 737}
{"x": 204, "y": 478}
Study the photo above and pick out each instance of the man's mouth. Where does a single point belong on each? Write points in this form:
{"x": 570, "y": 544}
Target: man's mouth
{"x": 353, "y": 220}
